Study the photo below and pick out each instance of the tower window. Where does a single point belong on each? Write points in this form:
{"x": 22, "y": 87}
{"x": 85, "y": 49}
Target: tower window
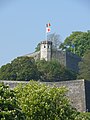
{"x": 44, "y": 46}
{"x": 48, "y": 46}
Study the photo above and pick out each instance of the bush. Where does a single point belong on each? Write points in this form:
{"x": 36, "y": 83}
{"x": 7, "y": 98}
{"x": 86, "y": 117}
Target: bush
{"x": 9, "y": 107}
{"x": 83, "y": 116}
{"x": 41, "y": 102}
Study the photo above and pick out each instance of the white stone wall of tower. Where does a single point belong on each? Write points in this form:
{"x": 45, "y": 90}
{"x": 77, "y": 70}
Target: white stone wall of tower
{"x": 45, "y": 51}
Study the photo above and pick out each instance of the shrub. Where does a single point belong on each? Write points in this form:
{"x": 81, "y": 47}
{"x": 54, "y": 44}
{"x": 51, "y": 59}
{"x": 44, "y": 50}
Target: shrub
{"x": 41, "y": 102}
{"x": 9, "y": 107}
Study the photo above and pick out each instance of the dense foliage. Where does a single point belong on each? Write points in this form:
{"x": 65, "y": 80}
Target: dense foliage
{"x": 84, "y": 66}
{"x": 54, "y": 71}
{"x": 83, "y": 116}
{"x": 77, "y": 42}
{"x": 41, "y": 102}
{"x": 21, "y": 68}
{"x": 25, "y": 68}
{"x": 9, "y": 107}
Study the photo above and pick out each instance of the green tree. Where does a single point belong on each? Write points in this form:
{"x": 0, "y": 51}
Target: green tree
{"x": 37, "y": 48}
{"x": 41, "y": 102}
{"x": 5, "y": 72}
{"x": 21, "y": 68}
{"x": 25, "y": 68}
{"x": 77, "y": 42}
{"x": 54, "y": 71}
{"x": 9, "y": 107}
{"x": 84, "y": 66}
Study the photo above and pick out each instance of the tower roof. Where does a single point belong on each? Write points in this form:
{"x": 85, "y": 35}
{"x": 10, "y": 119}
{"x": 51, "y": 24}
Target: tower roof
{"x": 46, "y": 42}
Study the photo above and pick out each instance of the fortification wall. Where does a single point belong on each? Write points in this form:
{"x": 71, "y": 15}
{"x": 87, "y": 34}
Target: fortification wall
{"x": 72, "y": 61}
{"x": 35, "y": 55}
{"x": 60, "y": 56}
{"x": 13, "y": 84}
{"x": 68, "y": 59}
{"x": 76, "y": 91}
{"x": 87, "y": 94}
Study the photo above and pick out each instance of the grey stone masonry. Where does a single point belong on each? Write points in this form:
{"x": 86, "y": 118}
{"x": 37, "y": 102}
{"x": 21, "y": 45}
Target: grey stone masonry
{"x": 35, "y": 55}
{"x": 66, "y": 58}
{"x": 13, "y": 84}
{"x": 78, "y": 91}
{"x": 72, "y": 61}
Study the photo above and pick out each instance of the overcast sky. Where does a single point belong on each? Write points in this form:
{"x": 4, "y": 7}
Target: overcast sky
{"x": 22, "y": 23}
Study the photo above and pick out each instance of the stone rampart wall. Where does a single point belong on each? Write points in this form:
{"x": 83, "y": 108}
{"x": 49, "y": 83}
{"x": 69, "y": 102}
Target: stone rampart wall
{"x": 76, "y": 91}
{"x": 68, "y": 59}
{"x": 60, "y": 56}
{"x": 72, "y": 61}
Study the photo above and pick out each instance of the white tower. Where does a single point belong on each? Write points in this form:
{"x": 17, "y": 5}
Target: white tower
{"x": 46, "y": 50}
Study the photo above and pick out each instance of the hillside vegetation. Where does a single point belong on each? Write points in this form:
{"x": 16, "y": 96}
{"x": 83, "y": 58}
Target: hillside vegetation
{"x": 25, "y": 68}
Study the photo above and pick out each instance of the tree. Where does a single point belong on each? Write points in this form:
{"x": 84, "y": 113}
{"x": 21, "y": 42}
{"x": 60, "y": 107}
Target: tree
{"x": 21, "y": 68}
{"x": 55, "y": 38}
{"x": 5, "y": 72}
{"x": 25, "y": 68}
{"x": 9, "y": 107}
{"x": 41, "y": 102}
{"x": 54, "y": 71}
{"x": 77, "y": 42}
{"x": 37, "y": 48}
{"x": 84, "y": 66}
